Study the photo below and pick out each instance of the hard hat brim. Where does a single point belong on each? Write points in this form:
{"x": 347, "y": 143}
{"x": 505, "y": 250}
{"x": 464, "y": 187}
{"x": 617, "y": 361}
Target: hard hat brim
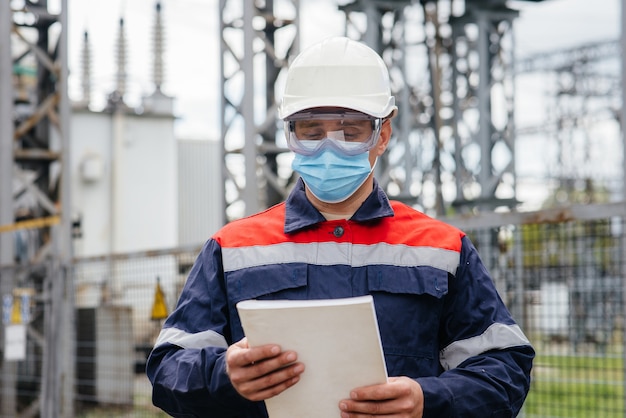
{"x": 372, "y": 108}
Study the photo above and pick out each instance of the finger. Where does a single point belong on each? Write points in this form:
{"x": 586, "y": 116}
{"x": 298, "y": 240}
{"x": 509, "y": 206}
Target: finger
{"x": 266, "y": 373}
{"x": 367, "y": 409}
{"x": 371, "y": 400}
{"x": 273, "y": 383}
{"x": 396, "y": 387}
{"x": 375, "y": 393}
{"x": 270, "y": 392}
{"x": 270, "y": 364}
{"x": 246, "y": 356}
{"x": 400, "y": 396}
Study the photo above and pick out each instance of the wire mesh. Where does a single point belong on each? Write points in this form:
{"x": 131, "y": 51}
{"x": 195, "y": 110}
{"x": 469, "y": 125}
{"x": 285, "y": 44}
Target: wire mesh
{"x": 562, "y": 280}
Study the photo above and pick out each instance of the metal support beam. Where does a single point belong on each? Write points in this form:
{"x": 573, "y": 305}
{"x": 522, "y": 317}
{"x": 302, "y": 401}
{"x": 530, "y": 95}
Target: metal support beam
{"x": 255, "y": 46}
{"x": 445, "y": 80}
{"x": 34, "y": 155}
{"x": 482, "y": 80}
{"x": 8, "y": 390}
{"x": 389, "y": 27}
{"x": 583, "y": 92}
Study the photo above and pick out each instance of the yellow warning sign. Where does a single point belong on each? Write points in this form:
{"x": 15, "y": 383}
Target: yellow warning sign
{"x": 16, "y": 312}
{"x": 159, "y": 308}
{"x": 19, "y": 305}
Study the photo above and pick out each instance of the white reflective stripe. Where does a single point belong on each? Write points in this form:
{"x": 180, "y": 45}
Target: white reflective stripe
{"x": 405, "y": 256}
{"x": 331, "y": 253}
{"x": 496, "y": 337}
{"x": 312, "y": 253}
{"x": 185, "y": 339}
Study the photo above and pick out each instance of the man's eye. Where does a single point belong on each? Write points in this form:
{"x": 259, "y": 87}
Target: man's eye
{"x": 311, "y": 134}
{"x": 354, "y": 135}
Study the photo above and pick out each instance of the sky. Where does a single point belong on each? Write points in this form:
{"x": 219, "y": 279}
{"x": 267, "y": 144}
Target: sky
{"x": 192, "y": 45}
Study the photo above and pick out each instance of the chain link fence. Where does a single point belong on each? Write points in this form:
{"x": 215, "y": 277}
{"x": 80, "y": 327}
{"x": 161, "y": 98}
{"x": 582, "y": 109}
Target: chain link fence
{"x": 561, "y": 273}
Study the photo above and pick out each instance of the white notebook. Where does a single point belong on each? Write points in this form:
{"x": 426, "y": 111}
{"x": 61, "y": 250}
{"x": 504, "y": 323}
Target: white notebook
{"x": 336, "y": 339}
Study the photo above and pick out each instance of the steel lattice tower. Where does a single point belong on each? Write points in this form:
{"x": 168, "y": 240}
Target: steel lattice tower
{"x": 34, "y": 114}
{"x": 451, "y": 64}
{"x": 584, "y": 93}
{"x": 256, "y": 42}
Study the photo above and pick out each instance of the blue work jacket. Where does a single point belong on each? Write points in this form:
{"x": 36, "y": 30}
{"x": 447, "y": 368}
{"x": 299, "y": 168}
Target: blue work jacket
{"x": 440, "y": 317}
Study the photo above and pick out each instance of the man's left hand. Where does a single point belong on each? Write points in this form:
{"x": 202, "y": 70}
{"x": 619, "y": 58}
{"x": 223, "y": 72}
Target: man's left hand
{"x": 400, "y": 397}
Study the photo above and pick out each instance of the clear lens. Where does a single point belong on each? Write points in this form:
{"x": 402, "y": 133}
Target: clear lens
{"x": 348, "y": 132}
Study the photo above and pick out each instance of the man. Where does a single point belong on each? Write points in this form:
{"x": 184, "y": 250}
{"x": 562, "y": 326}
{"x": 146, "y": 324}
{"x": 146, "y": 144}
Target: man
{"x": 451, "y": 347}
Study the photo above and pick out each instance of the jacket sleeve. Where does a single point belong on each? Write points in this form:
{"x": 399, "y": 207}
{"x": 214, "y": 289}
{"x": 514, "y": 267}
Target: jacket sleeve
{"x": 187, "y": 366}
{"x": 485, "y": 357}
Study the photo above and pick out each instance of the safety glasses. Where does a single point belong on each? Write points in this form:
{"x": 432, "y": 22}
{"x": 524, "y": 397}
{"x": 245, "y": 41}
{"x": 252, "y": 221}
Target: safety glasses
{"x": 348, "y": 132}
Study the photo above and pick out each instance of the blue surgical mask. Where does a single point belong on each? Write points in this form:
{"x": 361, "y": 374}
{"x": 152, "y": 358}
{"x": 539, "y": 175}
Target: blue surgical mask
{"x": 332, "y": 176}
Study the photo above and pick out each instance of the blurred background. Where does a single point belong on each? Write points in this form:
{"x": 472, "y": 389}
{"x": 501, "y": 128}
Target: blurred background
{"x": 132, "y": 130}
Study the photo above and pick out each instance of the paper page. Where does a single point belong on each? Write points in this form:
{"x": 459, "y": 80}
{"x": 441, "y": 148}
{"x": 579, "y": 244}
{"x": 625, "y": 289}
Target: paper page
{"x": 337, "y": 340}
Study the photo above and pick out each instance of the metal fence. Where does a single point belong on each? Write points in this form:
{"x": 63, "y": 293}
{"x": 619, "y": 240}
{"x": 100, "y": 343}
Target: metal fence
{"x": 116, "y": 326}
{"x": 561, "y": 273}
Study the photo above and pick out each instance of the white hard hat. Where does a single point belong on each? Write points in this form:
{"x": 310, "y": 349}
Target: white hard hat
{"x": 338, "y": 72}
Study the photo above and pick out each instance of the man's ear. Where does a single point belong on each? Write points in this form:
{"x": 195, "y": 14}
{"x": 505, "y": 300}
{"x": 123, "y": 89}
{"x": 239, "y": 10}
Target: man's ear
{"x": 385, "y": 136}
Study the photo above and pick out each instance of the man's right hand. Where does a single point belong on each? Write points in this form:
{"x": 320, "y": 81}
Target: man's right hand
{"x": 259, "y": 373}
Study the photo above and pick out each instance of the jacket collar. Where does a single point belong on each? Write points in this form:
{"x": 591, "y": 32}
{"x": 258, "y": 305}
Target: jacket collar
{"x": 300, "y": 213}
